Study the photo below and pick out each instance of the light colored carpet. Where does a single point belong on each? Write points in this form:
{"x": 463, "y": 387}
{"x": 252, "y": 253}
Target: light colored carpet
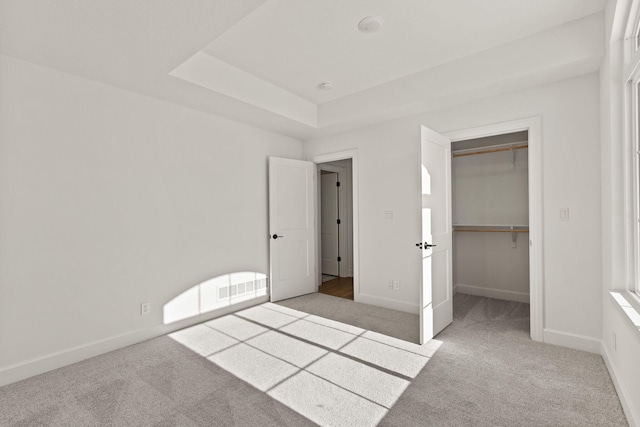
{"x": 277, "y": 366}
{"x": 397, "y": 324}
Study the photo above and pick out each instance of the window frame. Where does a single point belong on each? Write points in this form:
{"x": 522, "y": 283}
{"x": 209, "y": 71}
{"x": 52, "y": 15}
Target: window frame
{"x": 631, "y": 153}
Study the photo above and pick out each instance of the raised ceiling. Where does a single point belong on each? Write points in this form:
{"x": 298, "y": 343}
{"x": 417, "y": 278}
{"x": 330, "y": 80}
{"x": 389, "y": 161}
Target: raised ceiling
{"x": 298, "y": 44}
{"x": 261, "y": 61}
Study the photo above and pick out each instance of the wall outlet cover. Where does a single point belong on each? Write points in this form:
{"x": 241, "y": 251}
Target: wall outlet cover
{"x": 145, "y": 308}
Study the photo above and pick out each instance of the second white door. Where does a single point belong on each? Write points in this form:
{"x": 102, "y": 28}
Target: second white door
{"x": 291, "y": 228}
{"x": 329, "y": 224}
{"x": 436, "y": 293}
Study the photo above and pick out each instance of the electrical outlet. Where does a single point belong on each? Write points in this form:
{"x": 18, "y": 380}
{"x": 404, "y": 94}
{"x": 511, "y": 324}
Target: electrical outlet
{"x": 390, "y": 284}
{"x": 145, "y": 308}
{"x": 396, "y": 285}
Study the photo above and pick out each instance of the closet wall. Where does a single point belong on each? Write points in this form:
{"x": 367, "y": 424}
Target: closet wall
{"x": 490, "y": 198}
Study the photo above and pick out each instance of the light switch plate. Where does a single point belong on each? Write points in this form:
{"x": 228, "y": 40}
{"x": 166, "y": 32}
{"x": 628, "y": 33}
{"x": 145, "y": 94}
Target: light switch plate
{"x": 564, "y": 214}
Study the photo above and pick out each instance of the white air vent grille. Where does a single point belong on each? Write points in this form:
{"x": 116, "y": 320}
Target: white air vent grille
{"x": 228, "y": 290}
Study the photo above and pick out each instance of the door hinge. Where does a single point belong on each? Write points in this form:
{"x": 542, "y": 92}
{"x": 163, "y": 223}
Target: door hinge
{"x": 337, "y": 183}
{"x": 338, "y": 221}
{"x": 339, "y": 259}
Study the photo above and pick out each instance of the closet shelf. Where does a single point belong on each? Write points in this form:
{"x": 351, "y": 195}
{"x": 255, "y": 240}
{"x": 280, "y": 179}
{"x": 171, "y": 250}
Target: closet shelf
{"x": 491, "y": 228}
{"x": 495, "y": 149}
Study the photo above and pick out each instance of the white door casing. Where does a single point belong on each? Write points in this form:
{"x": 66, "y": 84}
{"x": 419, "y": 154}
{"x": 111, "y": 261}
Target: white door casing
{"x": 291, "y": 228}
{"x": 329, "y": 227}
{"x": 436, "y": 292}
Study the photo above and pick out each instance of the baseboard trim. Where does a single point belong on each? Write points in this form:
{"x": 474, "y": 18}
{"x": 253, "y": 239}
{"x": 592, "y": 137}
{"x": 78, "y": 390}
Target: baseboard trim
{"x": 575, "y": 341}
{"x": 388, "y": 303}
{"x": 23, "y": 370}
{"x": 632, "y": 419}
{"x": 491, "y": 293}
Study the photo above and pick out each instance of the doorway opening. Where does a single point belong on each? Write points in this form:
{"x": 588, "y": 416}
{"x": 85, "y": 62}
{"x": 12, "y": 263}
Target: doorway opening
{"x": 335, "y": 202}
{"x": 497, "y": 214}
{"x": 490, "y": 195}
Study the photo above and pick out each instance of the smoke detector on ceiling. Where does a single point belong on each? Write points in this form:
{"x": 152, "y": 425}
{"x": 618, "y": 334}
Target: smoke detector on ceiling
{"x": 370, "y": 24}
{"x": 325, "y": 86}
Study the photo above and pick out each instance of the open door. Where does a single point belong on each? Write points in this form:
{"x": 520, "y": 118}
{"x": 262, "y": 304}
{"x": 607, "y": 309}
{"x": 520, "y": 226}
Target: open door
{"x": 329, "y": 223}
{"x": 436, "y": 293}
{"x": 292, "y": 245}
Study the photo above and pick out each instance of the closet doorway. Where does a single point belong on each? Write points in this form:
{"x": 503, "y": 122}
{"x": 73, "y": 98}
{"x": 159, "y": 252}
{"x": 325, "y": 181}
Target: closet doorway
{"x": 497, "y": 214}
{"x": 490, "y": 199}
{"x": 336, "y": 228}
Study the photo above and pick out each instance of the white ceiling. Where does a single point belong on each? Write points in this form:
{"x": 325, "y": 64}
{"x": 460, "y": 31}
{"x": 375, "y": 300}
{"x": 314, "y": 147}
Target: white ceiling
{"x": 263, "y": 59}
{"x": 299, "y": 44}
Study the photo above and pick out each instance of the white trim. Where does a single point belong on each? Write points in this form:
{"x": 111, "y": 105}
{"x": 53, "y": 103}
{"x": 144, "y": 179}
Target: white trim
{"x": 628, "y": 306}
{"x": 536, "y": 250}
{"x": 492, "y": 293}
{"x": 49, "y": 362}
{"x": 578, "y": 342}
{"x": 343, "y": 155}
{"x": 629, "y": 158}
{"x": 392, "y": 304}
{"x": 632, "y": 418}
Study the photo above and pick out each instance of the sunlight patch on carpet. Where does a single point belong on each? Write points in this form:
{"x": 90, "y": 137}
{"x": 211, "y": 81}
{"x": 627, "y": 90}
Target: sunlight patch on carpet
{"x": 325, "y": 403}
{"x": 329, "y": 372}
{"x": 254, "y": 366}
{"x": 370, "y": 383}
{"x": 385, "y": 356}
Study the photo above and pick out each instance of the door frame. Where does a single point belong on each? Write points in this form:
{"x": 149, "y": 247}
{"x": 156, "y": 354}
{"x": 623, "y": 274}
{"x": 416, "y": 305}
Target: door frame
{"x": 533, "y": 125}
{"x": 332, "y": 157}
{"x": 342, "y": 214}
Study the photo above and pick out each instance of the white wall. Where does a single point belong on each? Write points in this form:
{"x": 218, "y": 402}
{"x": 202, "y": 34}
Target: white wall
{"x": 109, "y": 199}
{"x": 390, "y": 180}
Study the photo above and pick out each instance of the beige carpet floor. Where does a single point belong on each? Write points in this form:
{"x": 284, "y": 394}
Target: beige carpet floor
{"x": 279, "y": 365}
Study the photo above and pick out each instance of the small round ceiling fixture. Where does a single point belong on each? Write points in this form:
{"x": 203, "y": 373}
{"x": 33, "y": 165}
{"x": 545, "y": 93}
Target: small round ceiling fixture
{"x": 325, "y": 86}
{"x": 370, "y": 24}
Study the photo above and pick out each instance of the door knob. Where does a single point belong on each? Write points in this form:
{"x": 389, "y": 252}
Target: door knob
{"x": 275, "y": 236}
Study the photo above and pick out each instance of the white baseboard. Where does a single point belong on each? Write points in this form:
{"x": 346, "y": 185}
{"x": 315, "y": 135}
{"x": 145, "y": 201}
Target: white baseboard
{"x": 387, "y": 303}
{"x": 491, "y": 293}
{"x": 20, "y": 371}
{"x": 575, "y": 341}
{"x": 632, "y": 419}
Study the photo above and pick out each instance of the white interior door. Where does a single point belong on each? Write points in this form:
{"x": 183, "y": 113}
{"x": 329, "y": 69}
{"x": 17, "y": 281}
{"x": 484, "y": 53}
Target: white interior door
{"x": 436, "y": 293}
{"x": 291, "y": 228}
{"x": 329, "y": 228}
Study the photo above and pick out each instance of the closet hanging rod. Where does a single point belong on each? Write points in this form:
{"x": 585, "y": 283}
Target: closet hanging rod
{"x": 492, "y": 150}
{"x": 489, "y": 230}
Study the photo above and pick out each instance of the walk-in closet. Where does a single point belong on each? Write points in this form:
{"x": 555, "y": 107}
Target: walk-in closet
{"x": 490, "y": 197}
